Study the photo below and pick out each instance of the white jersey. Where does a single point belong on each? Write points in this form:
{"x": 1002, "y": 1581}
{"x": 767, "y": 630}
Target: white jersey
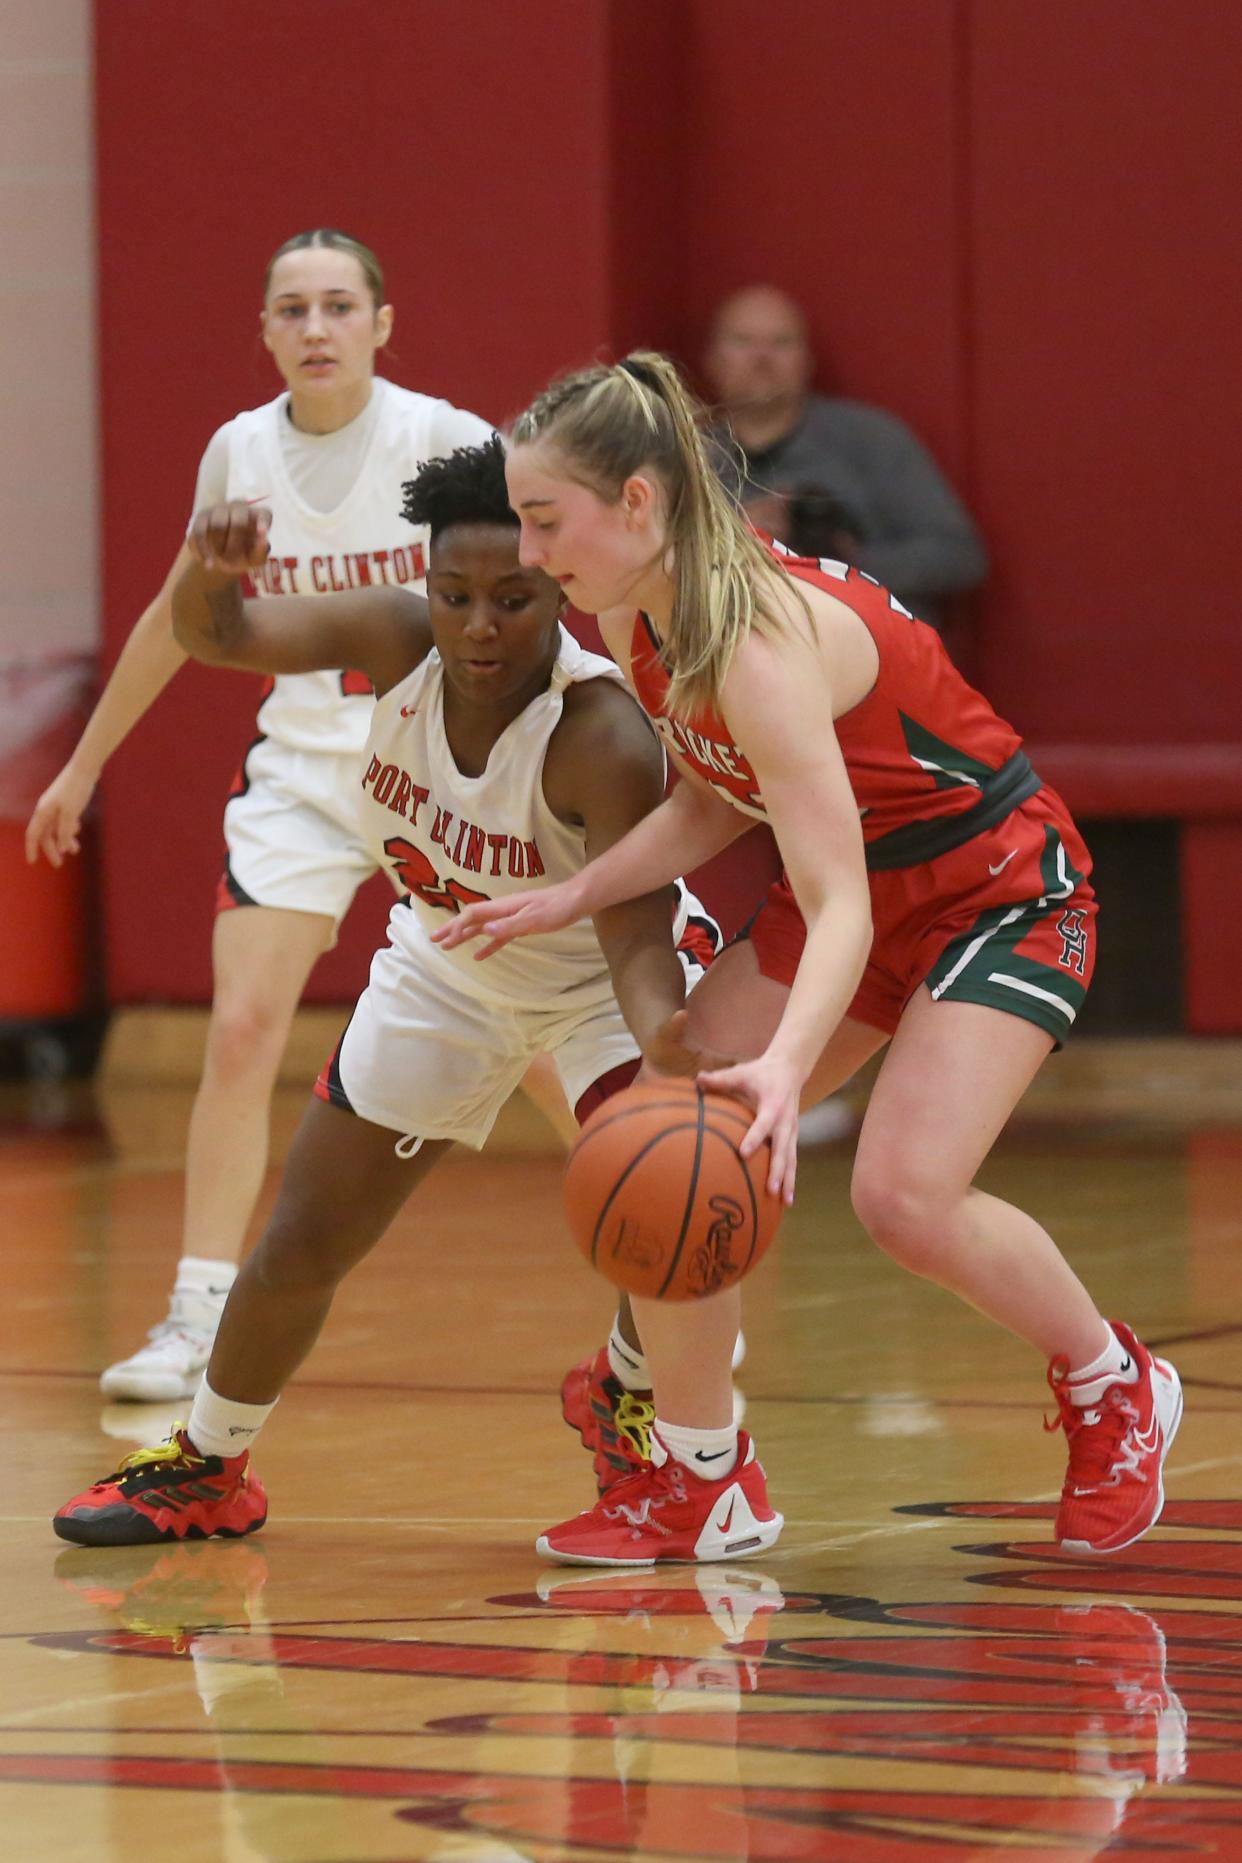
{"x": 450, "y": 839}
{"x": 360, "y": 542}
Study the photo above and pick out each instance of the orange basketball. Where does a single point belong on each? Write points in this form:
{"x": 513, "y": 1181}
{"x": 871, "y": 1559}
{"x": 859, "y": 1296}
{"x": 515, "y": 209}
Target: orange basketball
{"x": 660, "y": 1199}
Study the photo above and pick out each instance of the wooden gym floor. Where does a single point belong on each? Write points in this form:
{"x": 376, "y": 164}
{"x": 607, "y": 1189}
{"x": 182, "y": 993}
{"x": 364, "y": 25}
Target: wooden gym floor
{"x": 388, "y": 1672}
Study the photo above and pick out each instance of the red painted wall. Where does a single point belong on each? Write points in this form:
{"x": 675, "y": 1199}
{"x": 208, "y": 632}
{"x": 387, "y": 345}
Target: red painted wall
{"x": 429, "y": 141}
{"x": 1012, "y": 224}
{"x": 1106, "y": 388}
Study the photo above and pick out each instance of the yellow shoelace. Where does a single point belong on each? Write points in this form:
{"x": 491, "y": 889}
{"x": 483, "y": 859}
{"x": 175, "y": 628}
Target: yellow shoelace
{"x": 170, "y": 1451}
{"x": 633, "y": 1420}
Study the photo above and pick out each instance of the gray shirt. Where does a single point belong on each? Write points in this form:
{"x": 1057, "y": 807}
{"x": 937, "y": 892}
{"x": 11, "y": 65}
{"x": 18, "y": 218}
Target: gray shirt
{"x": 915, "y": 535}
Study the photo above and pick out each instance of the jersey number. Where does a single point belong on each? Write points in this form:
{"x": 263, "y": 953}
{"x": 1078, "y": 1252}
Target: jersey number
{"x": 356, "y": 686}
{"x": 417, "y": 875}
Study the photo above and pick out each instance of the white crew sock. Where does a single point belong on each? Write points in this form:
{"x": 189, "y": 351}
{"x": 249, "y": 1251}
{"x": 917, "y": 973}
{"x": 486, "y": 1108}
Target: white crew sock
{"x": 710, "y": 1454}
{"x": 627, "y": 1362}
{"x": 200, "y": 1291}
{"x": 1115, "y": 1365}
{"x": 218, "y": 1426}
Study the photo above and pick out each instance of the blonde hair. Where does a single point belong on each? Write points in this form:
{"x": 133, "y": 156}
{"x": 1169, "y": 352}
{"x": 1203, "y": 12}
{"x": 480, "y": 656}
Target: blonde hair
{"x": 328, "y": 237}
{"x": 610, "y": 422}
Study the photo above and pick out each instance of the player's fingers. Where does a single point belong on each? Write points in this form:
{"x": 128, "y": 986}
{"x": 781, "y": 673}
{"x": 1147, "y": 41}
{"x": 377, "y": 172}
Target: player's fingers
{"x": 207, "y": 534}
{"x": 759, "y": 1128}
{"x": 728, "y": 1080}
{"x": 464, "y": 925}
{"x": 34, "y": 835}
{"x": 784, "y": 1159}
{"x": 457, "y": 931}
{"x": 490, "y": 949}
{"x": 260, "y": 546}
{"x": 238, "y": 542}
{"x": 499, "y": 933}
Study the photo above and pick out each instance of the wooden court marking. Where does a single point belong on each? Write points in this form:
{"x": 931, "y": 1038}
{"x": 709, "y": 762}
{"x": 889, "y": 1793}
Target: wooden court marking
{"x": 1096, "y": 1690}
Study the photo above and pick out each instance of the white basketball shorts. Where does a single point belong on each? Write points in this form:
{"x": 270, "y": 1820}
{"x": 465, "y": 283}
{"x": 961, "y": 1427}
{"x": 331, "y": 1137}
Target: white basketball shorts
{"x": 291, "y": 833}
{"x": 427, "y": 1060}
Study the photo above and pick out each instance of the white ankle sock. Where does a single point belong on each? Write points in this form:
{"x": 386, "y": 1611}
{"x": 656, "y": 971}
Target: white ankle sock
{"x": 200, "y": 1291}
{"x": 218, "y": 1426}
{"x": 1088, "y": 1383}
{"x": 710, "y": 1454}
{"x": 206, "y": 1275}
{"x": 628, "y": 1363}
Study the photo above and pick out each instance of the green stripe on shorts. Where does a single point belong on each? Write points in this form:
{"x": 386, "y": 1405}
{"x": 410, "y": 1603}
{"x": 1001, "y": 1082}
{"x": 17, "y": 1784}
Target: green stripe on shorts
{"x": 983, "y": 966}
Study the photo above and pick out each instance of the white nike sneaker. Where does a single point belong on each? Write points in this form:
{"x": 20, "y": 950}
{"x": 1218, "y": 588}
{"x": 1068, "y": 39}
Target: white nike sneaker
{"x": 172, "y": 1362}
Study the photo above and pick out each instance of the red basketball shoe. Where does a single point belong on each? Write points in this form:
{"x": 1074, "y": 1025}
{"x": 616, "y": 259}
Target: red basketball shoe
{"x": 1114, "y": 1486}
{"x": 170, "y": 1492}
{"x": 614, "y": 1423}
{"x": 663, "y": 1512}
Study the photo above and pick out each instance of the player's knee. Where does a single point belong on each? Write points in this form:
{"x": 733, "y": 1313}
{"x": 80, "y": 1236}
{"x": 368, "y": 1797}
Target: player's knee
{"x": 902, "y": 1215}
{"x": 246, "y": 1038}
{"x": 296, "y": 1256}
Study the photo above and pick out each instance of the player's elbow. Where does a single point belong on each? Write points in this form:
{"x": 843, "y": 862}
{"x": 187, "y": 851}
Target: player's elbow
{"x": 191, "y": 625}
{"x": 189, "y": 635}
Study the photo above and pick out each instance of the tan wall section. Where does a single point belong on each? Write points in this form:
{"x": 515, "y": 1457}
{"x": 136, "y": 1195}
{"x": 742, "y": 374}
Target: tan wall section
{"x": 49, "y": 597}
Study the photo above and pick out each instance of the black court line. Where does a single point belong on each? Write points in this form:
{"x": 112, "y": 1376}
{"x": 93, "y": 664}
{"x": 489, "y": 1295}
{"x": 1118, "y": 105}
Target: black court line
{"x": 844, "y": 1400}
{"x": 1194, "y": 1338}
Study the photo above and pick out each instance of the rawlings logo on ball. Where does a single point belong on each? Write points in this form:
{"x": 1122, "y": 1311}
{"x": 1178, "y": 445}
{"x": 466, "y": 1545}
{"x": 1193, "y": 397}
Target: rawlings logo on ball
{"x": 712, "y": 1264}
{"x": 659, "y": 1196}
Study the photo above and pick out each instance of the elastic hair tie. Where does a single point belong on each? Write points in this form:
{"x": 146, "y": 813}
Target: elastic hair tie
{"x": 639, "y": 372}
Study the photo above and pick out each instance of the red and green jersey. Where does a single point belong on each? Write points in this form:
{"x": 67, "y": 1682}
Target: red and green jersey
{"x": 923, "y": 750}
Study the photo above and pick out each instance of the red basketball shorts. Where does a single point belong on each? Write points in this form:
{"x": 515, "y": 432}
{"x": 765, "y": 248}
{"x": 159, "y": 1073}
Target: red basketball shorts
{"x": 1007, "y": 920}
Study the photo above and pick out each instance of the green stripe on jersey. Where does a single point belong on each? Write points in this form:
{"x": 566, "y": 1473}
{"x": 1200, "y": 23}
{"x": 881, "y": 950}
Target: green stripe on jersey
{"x": 949, "y": 767}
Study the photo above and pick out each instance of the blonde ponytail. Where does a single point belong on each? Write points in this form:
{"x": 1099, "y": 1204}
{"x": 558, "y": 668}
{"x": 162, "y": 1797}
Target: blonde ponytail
{"x": 611, "y": 421}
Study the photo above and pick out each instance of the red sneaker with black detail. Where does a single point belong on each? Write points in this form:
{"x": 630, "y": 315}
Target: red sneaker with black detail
{"x": 169, "y": 1492}
{"x": 615, "y": 1424}
{"x": 1114, "y": 1486}
{"x": 664, "y": 1513}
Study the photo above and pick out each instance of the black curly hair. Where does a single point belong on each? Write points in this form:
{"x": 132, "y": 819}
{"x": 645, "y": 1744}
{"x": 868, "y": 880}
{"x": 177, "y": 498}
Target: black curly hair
{"x": 465, "y": 487}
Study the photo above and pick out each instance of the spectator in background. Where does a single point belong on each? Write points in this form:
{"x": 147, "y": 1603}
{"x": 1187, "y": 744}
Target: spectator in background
{"x": 831, "y": 477}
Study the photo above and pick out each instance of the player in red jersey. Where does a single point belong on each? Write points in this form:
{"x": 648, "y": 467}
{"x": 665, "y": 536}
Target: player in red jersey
{"x": 935, "y": 899}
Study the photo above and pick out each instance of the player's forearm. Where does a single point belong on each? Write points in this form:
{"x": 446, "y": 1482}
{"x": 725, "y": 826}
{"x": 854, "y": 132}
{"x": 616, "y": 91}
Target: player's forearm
{"x": 208, "y": 614}
{"x": 686, "y": 830}
{"x": 147, "y": 662}
{"x": 837, "y": 945}
{"x": 647, "y": 978}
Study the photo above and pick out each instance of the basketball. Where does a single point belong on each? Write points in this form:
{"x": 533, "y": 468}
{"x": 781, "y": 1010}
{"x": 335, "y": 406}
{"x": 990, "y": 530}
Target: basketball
{"x": 660, "y": 1199}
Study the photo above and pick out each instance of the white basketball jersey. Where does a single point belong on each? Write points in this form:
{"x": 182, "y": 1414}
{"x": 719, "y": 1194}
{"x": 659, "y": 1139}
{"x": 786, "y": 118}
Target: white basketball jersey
{"x": 363, "y": 543}
{"x": 449, "y": 839}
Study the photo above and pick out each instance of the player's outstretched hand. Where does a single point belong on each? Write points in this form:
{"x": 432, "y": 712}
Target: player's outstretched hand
{"x": 772, "y": 1088}
{"x": 232, "y": 537}
{"x": 54, "y": 828}
{"x": 549, "y": 909}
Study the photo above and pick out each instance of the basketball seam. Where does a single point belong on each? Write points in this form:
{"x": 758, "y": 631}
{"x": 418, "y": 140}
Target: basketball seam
{"x": 657, "y": 1139}
{"x": 716, "y": 1117}
{"x": 607, "y": 1116}
{"x": 691, "y": 1192}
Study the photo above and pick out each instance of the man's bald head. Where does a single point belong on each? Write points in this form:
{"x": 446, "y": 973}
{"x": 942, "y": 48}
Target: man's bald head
{"x": 758, "y": 355}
